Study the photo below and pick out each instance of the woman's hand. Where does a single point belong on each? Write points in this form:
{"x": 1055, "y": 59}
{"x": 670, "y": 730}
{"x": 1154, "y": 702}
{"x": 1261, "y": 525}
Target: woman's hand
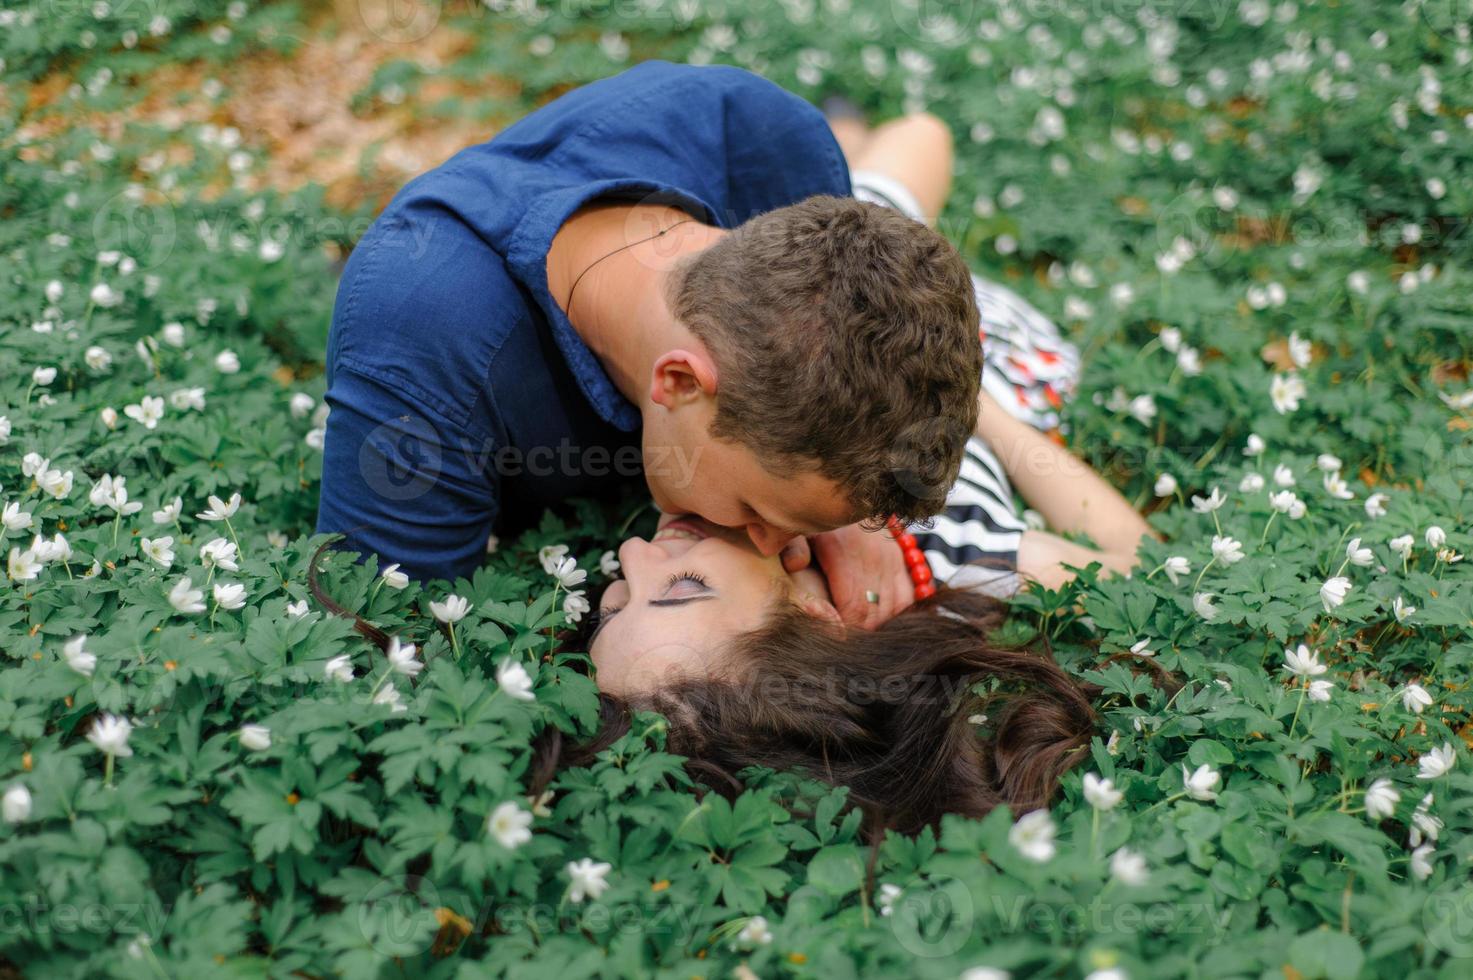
{"x": 858, "y": 562}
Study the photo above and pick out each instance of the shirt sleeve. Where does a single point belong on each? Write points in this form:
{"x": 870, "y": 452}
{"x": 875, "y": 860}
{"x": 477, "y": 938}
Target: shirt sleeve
{"x": 402, "y": 482}
{"x": 730, "y": 138}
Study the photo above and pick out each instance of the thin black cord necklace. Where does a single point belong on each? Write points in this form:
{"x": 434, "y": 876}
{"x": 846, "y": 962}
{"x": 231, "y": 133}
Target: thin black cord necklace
{"x": 658, "y": 234}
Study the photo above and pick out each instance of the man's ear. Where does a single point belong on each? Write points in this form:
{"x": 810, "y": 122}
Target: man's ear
{"x": 681, "y": 376}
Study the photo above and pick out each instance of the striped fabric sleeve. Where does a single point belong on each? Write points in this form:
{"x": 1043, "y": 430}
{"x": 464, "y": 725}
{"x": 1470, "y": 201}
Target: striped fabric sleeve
{"x": 973, "y": 542}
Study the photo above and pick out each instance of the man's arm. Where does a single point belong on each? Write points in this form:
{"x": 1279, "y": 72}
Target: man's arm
{"x": 402, "y": 482}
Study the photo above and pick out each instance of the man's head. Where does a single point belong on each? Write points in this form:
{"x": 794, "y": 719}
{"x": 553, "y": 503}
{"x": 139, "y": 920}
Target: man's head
{"x": 832, "y": 376}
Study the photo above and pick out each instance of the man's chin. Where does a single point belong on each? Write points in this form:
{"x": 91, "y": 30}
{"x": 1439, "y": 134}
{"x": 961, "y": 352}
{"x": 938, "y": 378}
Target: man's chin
{"x": 664, "y": 504}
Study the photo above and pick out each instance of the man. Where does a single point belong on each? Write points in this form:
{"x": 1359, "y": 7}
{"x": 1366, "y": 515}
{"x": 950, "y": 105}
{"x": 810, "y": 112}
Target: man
{"x": 660, "y": 273}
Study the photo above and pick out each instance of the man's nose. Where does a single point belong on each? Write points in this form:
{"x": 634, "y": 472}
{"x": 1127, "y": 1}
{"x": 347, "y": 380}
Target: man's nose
{"x": 768, "y": 540}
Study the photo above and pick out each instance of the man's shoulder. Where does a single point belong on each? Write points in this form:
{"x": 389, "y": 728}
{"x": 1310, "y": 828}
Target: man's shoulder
{"x": 700, "y": 94}
{"x": 426, "y": 315}
{"x": 716, "y": 78}
{"x": 656, "y": 74}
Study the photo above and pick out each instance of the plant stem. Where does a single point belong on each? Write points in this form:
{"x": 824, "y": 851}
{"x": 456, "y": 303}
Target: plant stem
{"x": 238, "y": 549}
{"x": 388, "y": 672}
{"x": 624, "y": 528}
{"x": 1303, "y": 690}
{"x": 1210, "y": 562}
{"x": 1382, "y": 635}
{"x": 1170, "y": 799}
{"x": 1263, "y": 540}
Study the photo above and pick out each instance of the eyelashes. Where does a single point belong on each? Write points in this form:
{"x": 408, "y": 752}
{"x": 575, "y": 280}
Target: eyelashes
{"x": 605, "y": 613}
{"x": 679, "y": 577}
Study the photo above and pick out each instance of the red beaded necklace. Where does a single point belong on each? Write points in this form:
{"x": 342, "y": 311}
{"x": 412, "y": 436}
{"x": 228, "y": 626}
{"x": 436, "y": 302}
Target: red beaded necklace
{"x": 915, "y": 560}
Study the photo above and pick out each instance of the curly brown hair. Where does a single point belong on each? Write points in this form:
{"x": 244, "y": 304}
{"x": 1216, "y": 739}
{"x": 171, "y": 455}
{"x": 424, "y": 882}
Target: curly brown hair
{"x": 846, "y": 338}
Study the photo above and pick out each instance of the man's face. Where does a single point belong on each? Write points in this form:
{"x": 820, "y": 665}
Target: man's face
{"x": 690, "y": 472}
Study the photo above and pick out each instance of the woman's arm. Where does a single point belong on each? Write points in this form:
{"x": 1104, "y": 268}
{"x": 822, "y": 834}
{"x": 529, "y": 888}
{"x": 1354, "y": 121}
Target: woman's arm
{"x": 1070, "y": 495}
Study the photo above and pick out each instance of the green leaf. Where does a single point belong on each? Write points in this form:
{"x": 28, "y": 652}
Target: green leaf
{"x": 1324, "y": 953}
{"x": 837, "y": 870}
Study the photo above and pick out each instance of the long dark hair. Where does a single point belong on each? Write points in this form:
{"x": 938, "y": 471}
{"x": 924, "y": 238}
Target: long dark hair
{"x": 891, "y": 714}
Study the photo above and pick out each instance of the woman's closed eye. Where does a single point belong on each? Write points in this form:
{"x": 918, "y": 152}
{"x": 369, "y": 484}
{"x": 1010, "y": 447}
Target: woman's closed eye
{"x": 679, "y": 589}
{"x": 683, "y": 585}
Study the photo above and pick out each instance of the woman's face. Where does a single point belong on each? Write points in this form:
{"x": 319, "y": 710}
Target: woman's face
{"x": 685, "y": 593}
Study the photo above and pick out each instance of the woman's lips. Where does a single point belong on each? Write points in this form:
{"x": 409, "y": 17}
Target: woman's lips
{"x": 682, "y": 527}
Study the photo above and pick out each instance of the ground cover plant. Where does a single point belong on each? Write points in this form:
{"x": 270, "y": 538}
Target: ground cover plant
{"x": 1251, "y": 216}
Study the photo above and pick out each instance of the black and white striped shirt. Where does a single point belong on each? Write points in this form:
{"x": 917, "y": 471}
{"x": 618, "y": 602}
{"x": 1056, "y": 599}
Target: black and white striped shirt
{"x": 973, "y": 542}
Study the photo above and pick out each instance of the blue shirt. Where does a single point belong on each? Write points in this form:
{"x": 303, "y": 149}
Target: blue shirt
{"x": 462, "y": 399}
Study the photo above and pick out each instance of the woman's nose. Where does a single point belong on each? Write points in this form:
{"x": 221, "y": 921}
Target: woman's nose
{"x": 637, "y": 554}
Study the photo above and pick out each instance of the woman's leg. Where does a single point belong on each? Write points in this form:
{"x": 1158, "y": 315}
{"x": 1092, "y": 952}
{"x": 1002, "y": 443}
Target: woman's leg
{"x": 915, "y": 150}
{"x": 852, "y": 133}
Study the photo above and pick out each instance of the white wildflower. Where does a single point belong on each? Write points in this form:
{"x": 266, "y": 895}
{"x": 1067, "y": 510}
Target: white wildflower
{"x": 1303, "y": 662}
{"x": 1334, "y": 591}
{"x": 256, "y": 738}
{"x": 589, "y": 879}
{"x": 1381, "y": 799}
{"x": 1437, "y": 762}
{"x": 1415, "y": 698}
{"x": 1128, "y": 867}
{"x": 402, "y": 658}
{"x": 1101, "y": 793}
{"x": 1201, "y": 784}
{"x": 515, "y": 680}
{"x": 510, "y": 825}
{"x": 1033, "y": 836}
